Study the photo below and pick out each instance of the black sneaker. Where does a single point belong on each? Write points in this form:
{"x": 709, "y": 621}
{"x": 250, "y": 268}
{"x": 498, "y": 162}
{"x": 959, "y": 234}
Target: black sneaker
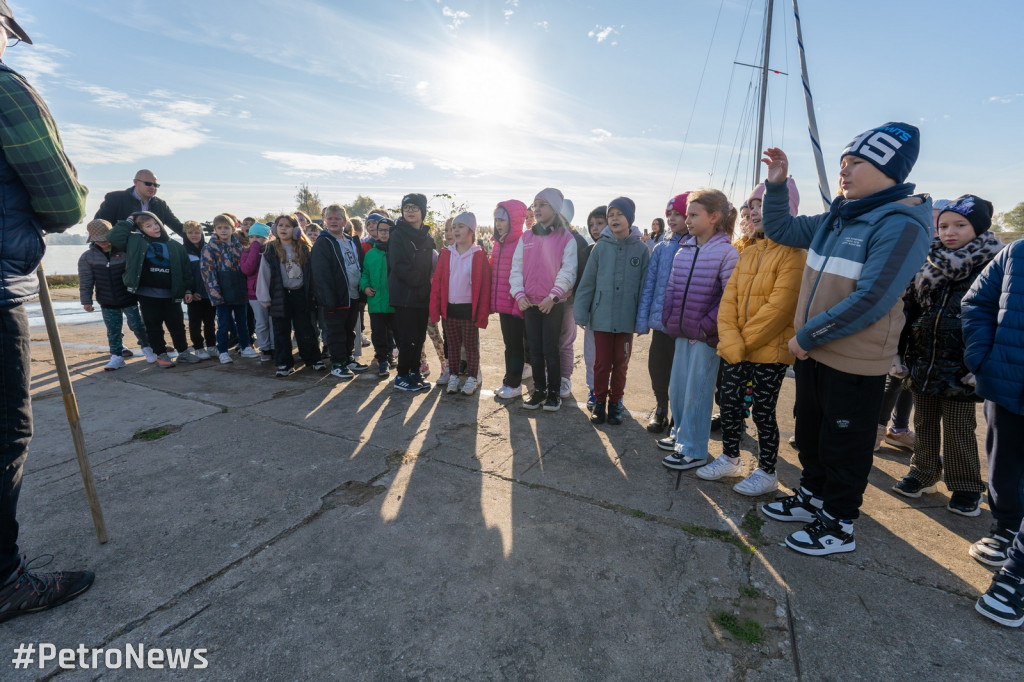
{"x": 319, "y": 365}
{"x": 909, "y": 486}
{"x": 964, "y": 503}
{"x": 416, "y": 382}
{"x": 659, "y": 420}
{"x": 991, "y": 549}
{"x": 1003, "y": 603}
{"x": 825, "y": 535}
{"x": 680, "y": 462}
{"x": 615, "y": 412}
{"x": 355, "y": 367}
{"x": 28, "y": 592}
{"x": 535, "y": 400}
{"x": 799, "y": 507}
{"x": 342, "y": 372}
{"x": 552, "y": 403}
{"x": 716, "y": 423}
{"x": 599, "y": 414}
{"x": 283, "y": 371}
{"x": 668, "y": 443}
{"x": 382, "y": 368}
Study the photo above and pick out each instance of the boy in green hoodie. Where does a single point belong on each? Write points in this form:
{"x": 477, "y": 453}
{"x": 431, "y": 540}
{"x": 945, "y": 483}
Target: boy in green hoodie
{"x": 374, "y": 283}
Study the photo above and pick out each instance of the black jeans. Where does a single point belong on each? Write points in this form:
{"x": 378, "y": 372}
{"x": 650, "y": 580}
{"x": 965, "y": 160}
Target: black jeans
{"x": 15, "y": 427}
{"x": 297, "y": 317}
{"x": 513, "y": 333}
{"x": 659, "y": 364}
{"x": 202, "y": 327}
{"x": 156, "y": 312}
{"x": 896, "y": 397}
{"x": 1003, "y": 442}
{"x": 341, "y": 331}
{"x": 410, "y": 333}
{"x": 382, "y": 332}
{"x": 543, "y": 331}
{"x": 836, "y": 422}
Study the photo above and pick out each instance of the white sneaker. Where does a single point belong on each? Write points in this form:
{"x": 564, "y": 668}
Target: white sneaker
{"x": 527, "y": 370}
{"x": 757, "y": 483}
{"x": 116, "y": 362}
{"x": 720, "y": 468}
{"x": 364, "y": 340}
{"x": 469, "y": 388}
{"x": 506, "y": 392}
{"x": 442, "y": 380}
{"x": 250, "y": 352}
{"x": 225, "y": 359}
{"x": 566, "y": 390}
{"x": 202, "y": 354}
{"x": 150, "y": 355}
{"x": 453, "y": 384}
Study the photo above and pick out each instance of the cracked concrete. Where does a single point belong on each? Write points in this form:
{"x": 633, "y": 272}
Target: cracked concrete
{"x": 300, "y": 528}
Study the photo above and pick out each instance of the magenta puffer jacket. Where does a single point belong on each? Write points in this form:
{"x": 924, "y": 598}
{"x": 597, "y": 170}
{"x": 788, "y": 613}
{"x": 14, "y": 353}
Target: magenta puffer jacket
{"x": 250, "y": 264}
{"x": 695, "y": 287}
{"x": 501, "y": 259}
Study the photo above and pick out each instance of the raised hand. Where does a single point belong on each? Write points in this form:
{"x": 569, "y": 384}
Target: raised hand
{"x": 778, "y": 164}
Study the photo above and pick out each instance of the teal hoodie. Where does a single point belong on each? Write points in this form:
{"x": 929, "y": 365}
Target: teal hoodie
{"x": 608, "y": 294}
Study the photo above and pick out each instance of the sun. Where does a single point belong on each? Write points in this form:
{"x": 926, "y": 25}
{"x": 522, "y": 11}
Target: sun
{"x": 483, "y": 86}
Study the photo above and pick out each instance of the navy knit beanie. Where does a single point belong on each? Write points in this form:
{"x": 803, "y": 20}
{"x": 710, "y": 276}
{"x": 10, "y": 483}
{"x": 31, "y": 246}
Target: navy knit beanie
{"x": 626, "y": 205}
{"x": 891, "y": 148}
{"x": 978, "y": 211}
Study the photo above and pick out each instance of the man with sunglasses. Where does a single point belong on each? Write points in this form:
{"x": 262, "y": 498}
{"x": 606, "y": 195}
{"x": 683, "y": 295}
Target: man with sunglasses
{"x": 141, "y": 196}
{"x": 39, "y": 192}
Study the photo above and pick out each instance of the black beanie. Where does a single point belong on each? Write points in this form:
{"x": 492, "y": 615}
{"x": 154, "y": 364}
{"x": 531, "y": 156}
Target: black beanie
{"x": 418, "y": 200}
{"x": 978, "y": 211}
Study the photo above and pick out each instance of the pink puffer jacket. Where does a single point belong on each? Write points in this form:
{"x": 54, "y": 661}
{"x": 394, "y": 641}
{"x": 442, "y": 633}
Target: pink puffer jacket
{"x": 501, "y": 259}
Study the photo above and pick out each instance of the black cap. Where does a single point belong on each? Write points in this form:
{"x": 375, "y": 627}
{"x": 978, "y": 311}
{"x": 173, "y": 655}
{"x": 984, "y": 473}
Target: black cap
{"x": 7, "y": 19}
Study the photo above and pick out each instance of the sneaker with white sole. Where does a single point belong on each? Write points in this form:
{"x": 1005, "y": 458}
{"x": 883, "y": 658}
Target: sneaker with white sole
{"x": 681, "y": 462}
{"x": 250, "y": 352}
{"x": 116, "y": 362}
{"x": 382, "y": 368}
{"x": 565, "y": 390}
{"x": 320, "y": 365}
{"x": 802, "y": 507}
{"x": 902, "y": 440}
{"x": 1004, "y": 600}
{"x": 823, "y": 536}
{"x": 964, "y": 503}
{"x": 356, "y": 367}
{"x": 364, "y": 340}
{"x": 445, "y": 376}
{"x": 203, "y": 354}
{"x": 469, "y": 388}
{"x": 535, "y": 400}
{"x": 453, "y": 384}
{"x": 527, "y": 371}
{"x": 992, "y": 549}
{"x": 284, "y": 371}
{"x": 908, "y": 486}
{"x": 507, "y": 392}
{"x": 668, "y": 443}
{"x": 553, "y": 403}
{"x": 721, "y": 467}
{"x": 757, "y": 483}
{"x": 225, "y": 359}
{"x": 188, "y": 357}
{"x": 127, "y": 353}
{"x": 150, "y": 355}
{"x": 163, "y": 361}
{"x": 340, "y": 371}
{"x": 172, "y": 354}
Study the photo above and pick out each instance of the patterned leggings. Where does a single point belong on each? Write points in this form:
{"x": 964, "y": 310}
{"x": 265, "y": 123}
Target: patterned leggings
{"x": 751, "y": 387}
{"x": 951, "y": 425}
{"x": 462, "y": 336}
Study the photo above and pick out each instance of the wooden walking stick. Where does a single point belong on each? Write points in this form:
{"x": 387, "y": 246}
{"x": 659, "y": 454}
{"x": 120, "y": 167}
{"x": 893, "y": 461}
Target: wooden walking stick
{"x": 71, "y": 407}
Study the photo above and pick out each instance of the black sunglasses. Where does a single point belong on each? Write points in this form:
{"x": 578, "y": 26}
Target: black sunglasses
{"x": 149, "y": 184}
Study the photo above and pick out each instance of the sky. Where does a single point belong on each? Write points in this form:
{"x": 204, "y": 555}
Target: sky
{"x": 234, "y": 105}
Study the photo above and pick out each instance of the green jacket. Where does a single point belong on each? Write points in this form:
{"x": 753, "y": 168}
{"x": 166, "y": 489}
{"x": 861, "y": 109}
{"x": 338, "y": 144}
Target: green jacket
{"x": 375, "y": 275}
{"x": 125, "y": 237}
{"x": 608, "y": 294}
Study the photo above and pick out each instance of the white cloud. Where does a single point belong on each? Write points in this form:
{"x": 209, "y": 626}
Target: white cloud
{"x": 508, "y": 13}
{"x": 457, "y": 17}
{"x": 37, "y": 63}
{"x": 105, "y": 97}
{"x": 1005, "y": 99}
{"x": 543, "y": 24}
{"x": 329, "y": 163}
{"x": 601, "y": 34}
{"x": 514, "y": 4}
{"x": 600, "y": 134}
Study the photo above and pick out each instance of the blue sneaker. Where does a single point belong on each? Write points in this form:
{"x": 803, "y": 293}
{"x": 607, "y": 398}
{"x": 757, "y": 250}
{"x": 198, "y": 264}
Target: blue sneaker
{"x": 417, "y": 383}
{"x": 382, "y": 368}
{"x": 591, "y": 400}
{"x": 402, "y": 383}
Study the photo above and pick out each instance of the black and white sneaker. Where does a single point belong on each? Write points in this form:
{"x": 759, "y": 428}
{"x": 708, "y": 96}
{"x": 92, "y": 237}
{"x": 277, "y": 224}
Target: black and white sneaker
{"x": 1004, "y": 601}
{"x": 535, "y": 401}
{"x": 681, "y": 462}
{"x": 800, "y": 507}
{"x": 964, "y": 503}
{"x": 284, "y": 371}
{"x": 991, "y": 549}
{"x": 356, "y": 368}
{"x": 823, "y": 536}
{"x": 553, "y": 402}
{"x": 668, "y": 443}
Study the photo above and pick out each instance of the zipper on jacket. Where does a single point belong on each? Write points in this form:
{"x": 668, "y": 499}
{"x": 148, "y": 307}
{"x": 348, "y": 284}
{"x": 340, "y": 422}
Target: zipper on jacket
{"x": 746, "y": 311}
{"x": 935, "y": 340}
{"x": 814, "y": 289}
{"x": 686, "y": 291}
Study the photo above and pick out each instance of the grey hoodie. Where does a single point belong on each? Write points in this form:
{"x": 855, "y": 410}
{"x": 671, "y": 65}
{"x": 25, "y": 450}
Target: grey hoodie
{"x": 609, "y": 291}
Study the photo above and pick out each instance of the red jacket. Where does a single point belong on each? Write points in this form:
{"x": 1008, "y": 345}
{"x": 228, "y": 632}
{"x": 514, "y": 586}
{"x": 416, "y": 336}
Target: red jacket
{"x": 481, "y": 282}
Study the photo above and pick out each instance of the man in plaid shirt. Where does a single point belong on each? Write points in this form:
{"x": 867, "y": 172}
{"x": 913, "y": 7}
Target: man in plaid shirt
{"x": 39, "y": 192}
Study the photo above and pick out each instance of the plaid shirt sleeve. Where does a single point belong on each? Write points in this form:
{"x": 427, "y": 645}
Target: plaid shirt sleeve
{"x": 31, "y": 144}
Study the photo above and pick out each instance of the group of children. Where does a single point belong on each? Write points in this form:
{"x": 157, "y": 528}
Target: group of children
{"x": 870, "y": 289}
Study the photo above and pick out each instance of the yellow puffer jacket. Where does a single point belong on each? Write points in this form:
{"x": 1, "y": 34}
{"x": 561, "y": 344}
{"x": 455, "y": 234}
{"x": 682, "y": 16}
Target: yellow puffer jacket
{"x": 755, "y": 319}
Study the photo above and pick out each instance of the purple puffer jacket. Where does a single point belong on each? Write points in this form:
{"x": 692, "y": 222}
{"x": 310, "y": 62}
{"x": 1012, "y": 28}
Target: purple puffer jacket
{"x": 501, "y": 259}
{"x": 694, "y": 290}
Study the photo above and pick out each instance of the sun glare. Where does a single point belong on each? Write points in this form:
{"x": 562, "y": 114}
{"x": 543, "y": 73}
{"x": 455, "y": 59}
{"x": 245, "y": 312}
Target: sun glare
{"x": 483, "y": 86}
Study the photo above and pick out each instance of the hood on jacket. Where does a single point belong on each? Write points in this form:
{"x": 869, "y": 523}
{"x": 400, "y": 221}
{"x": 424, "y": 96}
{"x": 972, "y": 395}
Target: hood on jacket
{"x": 194, "y": 249}
{"x": 634, "y": 234}
{"x": 516, "y": 217}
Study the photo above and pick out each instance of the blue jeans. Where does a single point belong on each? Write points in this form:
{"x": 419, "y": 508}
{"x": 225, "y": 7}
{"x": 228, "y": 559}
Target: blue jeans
{"x": 15, "y": 427}
{"x": 232, "y": 317}
{"x": 691, "y": 393}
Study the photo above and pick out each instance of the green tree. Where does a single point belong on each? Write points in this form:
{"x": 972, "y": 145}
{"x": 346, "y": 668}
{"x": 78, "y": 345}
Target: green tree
{"x": 308, "y": 201}
{"x": 1012, "y": 220}
{"x": 361, "y": 207}
{"x": 269, "y": 217}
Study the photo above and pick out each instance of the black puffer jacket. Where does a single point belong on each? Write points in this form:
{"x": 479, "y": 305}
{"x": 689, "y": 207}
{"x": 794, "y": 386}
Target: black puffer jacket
{"x": 276, "y": 283}
{"x": 330, "y": 281}
{"x": 935, "y": 343}
{"x": 410, "y": 265}
{"x": 103, "y": 272}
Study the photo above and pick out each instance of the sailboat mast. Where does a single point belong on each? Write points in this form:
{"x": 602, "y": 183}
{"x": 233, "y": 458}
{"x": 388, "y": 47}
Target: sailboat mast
{"x": 764, "y": 93}
{"x": 812, "y": 123}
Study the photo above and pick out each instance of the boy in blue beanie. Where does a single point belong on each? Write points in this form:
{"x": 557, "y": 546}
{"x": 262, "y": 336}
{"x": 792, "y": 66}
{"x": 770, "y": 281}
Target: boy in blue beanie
{"x": 861, "y": 256}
